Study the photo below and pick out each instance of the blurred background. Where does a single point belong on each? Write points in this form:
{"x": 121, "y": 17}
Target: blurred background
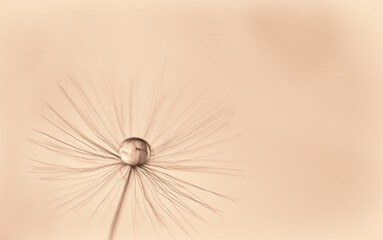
{"x": 305, "y": 78}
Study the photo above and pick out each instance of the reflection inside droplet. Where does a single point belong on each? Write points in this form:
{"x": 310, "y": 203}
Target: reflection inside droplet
{"x": 134, "y": 151}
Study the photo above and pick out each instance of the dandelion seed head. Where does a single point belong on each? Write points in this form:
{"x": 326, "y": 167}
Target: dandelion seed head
{"x": 103, "y": 170}
{"x": 134, "y": 151}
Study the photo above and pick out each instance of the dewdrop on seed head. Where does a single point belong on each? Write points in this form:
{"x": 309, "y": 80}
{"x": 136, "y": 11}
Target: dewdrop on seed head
{"x": 134, "y": 151}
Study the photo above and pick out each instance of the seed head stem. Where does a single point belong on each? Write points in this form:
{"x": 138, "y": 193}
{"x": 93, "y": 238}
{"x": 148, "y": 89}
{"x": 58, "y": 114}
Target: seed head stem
{"x": 119, "y": 206}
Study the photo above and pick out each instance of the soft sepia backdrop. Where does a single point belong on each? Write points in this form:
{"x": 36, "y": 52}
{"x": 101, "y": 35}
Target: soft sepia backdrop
{"x": 305, "y": 77}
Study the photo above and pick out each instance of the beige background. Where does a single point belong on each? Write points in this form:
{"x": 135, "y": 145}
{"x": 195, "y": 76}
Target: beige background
{"x": 305, "y": 78}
